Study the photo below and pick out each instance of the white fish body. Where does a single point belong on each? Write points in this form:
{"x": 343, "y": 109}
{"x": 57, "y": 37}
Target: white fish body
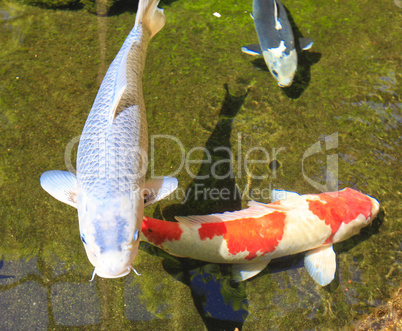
{"x": 112, "y": 157}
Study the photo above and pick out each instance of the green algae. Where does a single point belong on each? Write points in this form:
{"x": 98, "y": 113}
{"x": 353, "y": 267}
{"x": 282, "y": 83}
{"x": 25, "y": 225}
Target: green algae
{"x": 51, "y": 66}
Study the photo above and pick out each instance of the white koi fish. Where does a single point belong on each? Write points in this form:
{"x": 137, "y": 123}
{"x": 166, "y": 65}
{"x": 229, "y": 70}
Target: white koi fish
{"x": 108, "y": 190}
{"x": 276, "y": 40}
{"x": 250, "y": 238}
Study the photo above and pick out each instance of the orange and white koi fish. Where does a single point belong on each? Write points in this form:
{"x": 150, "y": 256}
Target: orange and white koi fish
{"x": 250, "y": 238}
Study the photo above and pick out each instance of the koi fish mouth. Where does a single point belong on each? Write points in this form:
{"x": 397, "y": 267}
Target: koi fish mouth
{"x": 111, "y": 275}
{"x": 114, "y": 275}
{"x": 286, "y": 84}
{"x": 375, "y": 208}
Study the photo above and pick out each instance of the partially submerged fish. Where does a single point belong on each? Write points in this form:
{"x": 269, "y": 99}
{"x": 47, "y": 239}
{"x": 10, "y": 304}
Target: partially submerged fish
{"x": 276, "y": 40}
{"x": 109, "y": 190}
{"x": 252, "y": 237}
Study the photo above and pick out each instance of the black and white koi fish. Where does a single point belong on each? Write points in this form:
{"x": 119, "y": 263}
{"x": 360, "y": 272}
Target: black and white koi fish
{"x": 276, "y": 40}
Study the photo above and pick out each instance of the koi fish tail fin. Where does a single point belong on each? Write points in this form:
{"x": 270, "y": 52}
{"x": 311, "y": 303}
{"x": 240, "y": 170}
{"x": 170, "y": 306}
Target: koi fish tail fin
{"x": 150, "y": 16}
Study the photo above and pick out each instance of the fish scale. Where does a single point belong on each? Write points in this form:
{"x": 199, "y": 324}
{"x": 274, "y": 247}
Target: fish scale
{"x": 102, "y": 162}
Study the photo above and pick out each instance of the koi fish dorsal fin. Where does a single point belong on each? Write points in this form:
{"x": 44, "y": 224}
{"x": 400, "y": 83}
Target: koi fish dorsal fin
{"x": 120, "y": 84}
{"x": 278, "y": 24}
{"x": 282, "y": 194}
{"x": 191, "y": 221}
{"x": 153, "y": 19}
{"x": 243, "y": 271}
{"x": 267, "y": 207}
{"x": 255, "y": 210}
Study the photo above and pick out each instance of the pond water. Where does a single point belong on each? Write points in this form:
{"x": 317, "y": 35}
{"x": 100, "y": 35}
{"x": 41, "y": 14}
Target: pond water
{"x": 204, "y": 98}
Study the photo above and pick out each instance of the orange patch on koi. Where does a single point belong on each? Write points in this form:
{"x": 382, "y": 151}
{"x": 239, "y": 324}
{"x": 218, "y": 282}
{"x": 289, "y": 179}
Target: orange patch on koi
{"x": 340, "y": 207}
{"x": 263, "y": 233}
{"x": 166, "y": 230}
{"x": 210, "y": 230}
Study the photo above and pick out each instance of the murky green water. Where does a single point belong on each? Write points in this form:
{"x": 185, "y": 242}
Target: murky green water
{"x": 202, "y": 91}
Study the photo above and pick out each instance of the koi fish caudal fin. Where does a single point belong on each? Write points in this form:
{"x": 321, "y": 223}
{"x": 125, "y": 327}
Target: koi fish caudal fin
{"x": 150, "y": 16}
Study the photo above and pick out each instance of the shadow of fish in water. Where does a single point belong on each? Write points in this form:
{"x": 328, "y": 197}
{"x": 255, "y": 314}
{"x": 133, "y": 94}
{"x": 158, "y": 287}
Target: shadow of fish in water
{"x": 4, "y": 276}
{"x": 221, "y": 301}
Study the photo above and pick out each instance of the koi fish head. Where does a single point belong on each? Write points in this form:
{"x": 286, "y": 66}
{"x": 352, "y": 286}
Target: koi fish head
{"x": 375, "y": 208}
{"x": 110, "y": 232}
{"x": 367, "y": 209}
{"x": 281, "y": 64}
{"x": 346, "y": 212}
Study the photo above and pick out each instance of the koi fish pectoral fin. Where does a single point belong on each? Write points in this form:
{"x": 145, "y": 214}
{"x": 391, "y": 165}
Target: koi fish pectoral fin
{"x": 253, "y": 49}
{"x": 305, "y": 43}
{"x": 321, "y": 264}
{"x": 61, "y": 185}
{"x": 243, "y": 271}
{"x": 157, "y": 189}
